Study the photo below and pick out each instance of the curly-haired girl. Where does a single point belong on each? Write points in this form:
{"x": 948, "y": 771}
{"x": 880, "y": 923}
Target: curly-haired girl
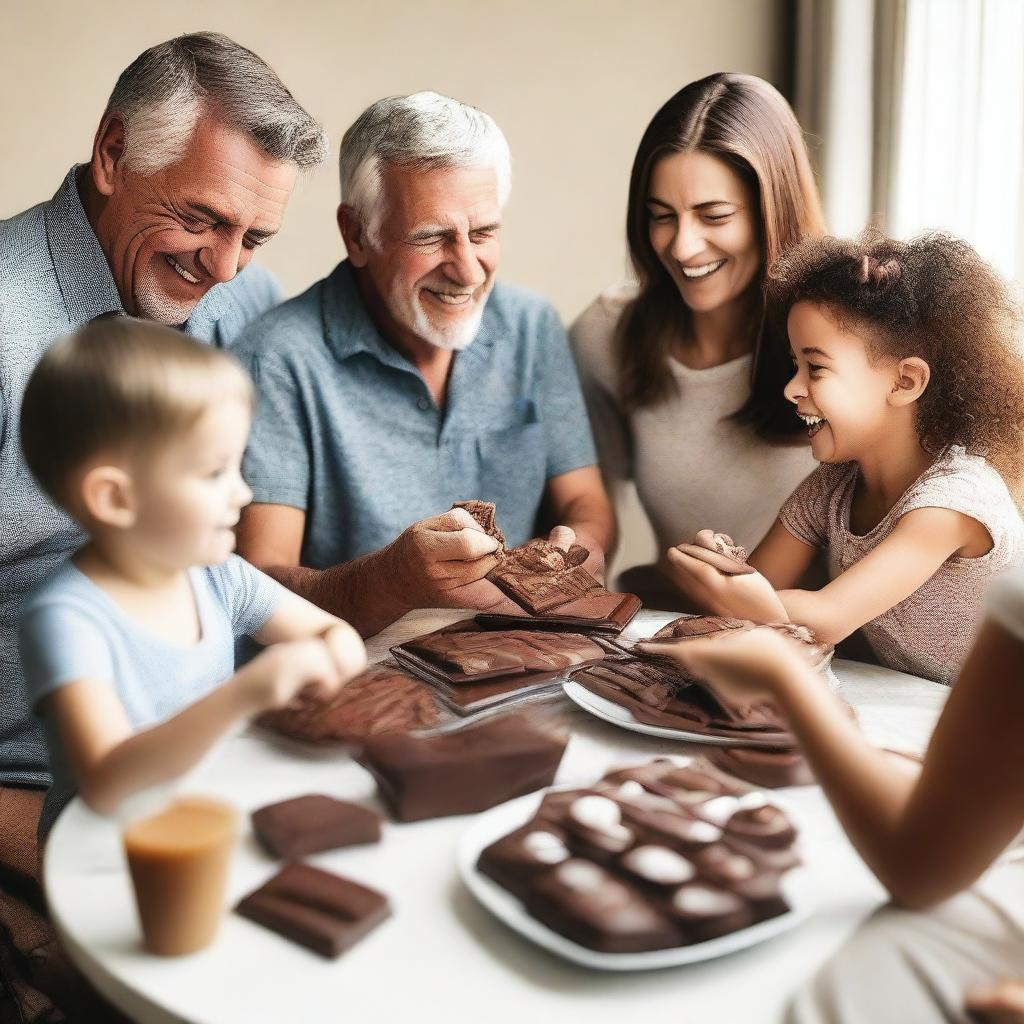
{"x": 910, "y": 379}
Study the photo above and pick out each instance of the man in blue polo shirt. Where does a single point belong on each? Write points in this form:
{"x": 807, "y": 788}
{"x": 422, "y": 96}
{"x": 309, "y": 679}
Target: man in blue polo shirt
{"x": 408, "y": 380}
{"x": 192, "y": 166}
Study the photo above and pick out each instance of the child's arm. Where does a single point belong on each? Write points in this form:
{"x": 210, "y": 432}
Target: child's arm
{"x": 919, "y": 544}
{"x": 781, "y": 558}
{"x": 925, "y": 838}
{"x": 111, "y": 762}
{"x": 295, "y": 618}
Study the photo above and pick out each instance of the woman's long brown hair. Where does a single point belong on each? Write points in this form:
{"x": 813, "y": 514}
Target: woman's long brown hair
{"x": 747, "y": 123}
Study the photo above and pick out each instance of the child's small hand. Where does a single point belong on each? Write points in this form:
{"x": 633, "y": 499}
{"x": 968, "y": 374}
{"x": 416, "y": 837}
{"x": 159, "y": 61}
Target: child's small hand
{"x": 752, "y": 662}
{"x": 278, "y": 674}
{"x": 738, "y": 591}
{"x": 347, "y": 649}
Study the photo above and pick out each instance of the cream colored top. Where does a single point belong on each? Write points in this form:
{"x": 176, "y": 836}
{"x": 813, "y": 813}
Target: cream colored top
{"x": 693, "y": 467}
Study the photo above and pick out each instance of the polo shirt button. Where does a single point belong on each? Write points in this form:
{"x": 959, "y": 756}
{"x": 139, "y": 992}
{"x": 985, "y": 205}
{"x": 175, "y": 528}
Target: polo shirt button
{"x": 423, "y": 404}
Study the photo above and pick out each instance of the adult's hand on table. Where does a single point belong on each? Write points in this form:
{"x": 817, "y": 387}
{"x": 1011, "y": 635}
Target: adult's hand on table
{"x": 723, "y": 586}
{"x": 1002, "y": 1003}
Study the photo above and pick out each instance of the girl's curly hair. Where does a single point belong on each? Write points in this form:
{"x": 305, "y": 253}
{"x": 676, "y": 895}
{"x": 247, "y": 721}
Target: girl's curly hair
{"x": 935, "y": 298}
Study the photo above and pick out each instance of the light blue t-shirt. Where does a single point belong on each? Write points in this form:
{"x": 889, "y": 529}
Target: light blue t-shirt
{"x": 71, "y": 629}
{"x": 347, "y": 430}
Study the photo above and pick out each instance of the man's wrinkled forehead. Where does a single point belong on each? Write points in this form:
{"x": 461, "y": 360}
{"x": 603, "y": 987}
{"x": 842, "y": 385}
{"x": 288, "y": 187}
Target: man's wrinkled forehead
{"x": 418, "y": 200}
{"x": 224, "y": 176}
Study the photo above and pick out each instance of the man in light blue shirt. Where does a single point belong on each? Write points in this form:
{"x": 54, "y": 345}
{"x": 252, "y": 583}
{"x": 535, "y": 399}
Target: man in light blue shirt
{"x": 192, "y": 166}
{"x": 408, "y": 380}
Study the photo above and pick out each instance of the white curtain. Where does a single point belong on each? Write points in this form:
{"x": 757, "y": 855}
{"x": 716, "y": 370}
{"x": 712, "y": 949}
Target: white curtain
{"x": 915, "y": 112}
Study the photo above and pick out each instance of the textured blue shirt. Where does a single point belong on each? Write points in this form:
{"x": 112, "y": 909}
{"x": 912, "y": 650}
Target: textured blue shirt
{"x": 54, "y": 278}
{"x": 71, "y": 629}
{"x": 347, "y": 430}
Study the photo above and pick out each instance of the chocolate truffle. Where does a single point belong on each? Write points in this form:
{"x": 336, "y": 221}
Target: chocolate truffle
{"x": 517, "y": 858}
{"x": 309, "y": 824}
{"x": 317, "y": 909}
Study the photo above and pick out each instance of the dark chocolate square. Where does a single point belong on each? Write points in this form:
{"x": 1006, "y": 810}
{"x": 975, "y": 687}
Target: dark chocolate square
{"x": 322, "y": 911}
{"x": 310, "y": 824}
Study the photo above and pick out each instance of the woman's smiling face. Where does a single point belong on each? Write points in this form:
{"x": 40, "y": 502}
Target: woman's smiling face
{"x": 704, "y": 224}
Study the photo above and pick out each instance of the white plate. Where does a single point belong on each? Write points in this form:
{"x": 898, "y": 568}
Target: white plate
{"x": 609, "y": 711}
{"x": 499, "y": 821}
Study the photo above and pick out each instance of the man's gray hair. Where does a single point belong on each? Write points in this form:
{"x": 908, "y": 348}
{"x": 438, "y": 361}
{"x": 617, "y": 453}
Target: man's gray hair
{"x": 162, "y": 94}
{"x": 424, "y": 131}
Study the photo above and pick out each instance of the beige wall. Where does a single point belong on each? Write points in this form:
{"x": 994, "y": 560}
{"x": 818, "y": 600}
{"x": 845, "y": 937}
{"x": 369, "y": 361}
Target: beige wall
{"x": 571, "y": 82}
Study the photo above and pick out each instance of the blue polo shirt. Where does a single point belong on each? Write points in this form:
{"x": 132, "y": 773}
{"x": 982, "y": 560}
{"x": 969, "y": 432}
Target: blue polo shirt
{"x": 54, "y": 278}
{"x": 347, "y": 430}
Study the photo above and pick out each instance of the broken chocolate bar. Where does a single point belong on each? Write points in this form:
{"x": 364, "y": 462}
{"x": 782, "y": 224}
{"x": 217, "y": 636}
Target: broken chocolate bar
{"x": 380, "y": 700}
{"x": 309, "y": 824}
{"x": 317, "y": 909}
{"x": 463, "y": 771}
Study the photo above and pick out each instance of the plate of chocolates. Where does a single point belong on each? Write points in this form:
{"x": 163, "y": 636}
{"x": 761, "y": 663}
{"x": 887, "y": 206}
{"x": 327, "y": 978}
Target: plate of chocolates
{"x": 655, "y": 865}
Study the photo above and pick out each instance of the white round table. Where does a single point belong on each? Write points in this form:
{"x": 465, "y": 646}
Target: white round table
{"x": 442, "y": 956}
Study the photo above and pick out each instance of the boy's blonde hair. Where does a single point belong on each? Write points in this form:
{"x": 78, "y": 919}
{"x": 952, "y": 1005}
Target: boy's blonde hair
{"x": 118, "y": 384}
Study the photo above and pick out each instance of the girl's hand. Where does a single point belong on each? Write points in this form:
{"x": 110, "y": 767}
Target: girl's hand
{"x": 745, "y": 595}
{"x": 741, "y": 663}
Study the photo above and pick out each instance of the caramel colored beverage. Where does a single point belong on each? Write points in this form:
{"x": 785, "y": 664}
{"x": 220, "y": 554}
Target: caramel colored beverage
{"x": 179, "y": 866}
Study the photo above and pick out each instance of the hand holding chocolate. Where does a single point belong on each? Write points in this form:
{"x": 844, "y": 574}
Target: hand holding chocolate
{"x": 551, "y": 584}
{"x": 664, "y": 854}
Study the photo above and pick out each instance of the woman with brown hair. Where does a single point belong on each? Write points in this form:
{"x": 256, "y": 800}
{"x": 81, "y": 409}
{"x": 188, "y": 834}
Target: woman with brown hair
{"x": 683, "y": 374}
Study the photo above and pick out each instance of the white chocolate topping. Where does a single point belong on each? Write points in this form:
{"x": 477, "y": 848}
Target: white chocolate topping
{"x": 581, "y": 874}
{"x": 659, "y": 864}
{"x": 545, "y": 847}
{"x": 703, "y": 900}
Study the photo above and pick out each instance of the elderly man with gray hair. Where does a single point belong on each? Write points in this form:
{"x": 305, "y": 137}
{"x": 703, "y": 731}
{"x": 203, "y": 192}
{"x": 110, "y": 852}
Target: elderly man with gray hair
{"x": 408, "y": 380}
{"x": 192, "y": 165}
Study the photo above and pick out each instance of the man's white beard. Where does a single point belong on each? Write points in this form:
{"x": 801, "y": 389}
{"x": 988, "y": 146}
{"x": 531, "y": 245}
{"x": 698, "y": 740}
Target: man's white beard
{"x": 453, "y": 337}
{"x": 152, "y": 304}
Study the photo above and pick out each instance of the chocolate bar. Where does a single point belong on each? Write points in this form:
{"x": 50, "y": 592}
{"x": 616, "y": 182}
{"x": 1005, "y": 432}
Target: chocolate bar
{"x": 463, "y": 771}
{"x": 322, "y": 911}
{"x": 380, "y": 700}
{"x": 666, "y": 853}
{"x": 551, "y": 585}
{"x": 473, "y": 668}
{"x": 309, "y": 824}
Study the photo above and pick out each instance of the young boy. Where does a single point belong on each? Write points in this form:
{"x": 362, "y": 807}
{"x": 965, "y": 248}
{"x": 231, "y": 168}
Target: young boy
{"x": 128, "y": 648}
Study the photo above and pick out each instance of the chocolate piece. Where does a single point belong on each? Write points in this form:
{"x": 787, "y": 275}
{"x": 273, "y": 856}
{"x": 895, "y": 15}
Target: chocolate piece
{"x": 705, "y": 911}
{"x": 550, "y": 584}
{"x": 539, "y": 576}
{"x": 724, "y": 563}
{"x": 309, "y": 824}
{"x": 588, "y": 905}
{"x": 463, "y": 771}
{"x": 771, "y": 769}
{"x": 380, "y": 700}
{"x": 514, "y": 860}
{"x": 317, "y": 909}
{"x": 749, "y": 817}
{"x": 484, "y": 513}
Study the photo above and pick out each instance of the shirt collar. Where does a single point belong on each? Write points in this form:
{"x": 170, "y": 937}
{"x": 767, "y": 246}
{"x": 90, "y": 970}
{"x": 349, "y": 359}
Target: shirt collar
{"x": 84, "y": 276}
{"x": 350, "y": 330}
